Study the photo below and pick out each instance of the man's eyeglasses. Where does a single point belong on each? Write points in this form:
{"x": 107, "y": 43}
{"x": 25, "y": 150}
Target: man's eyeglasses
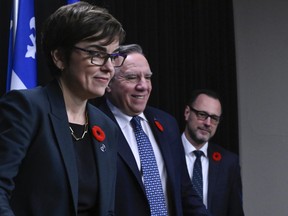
{"x": 100, "y": 58}
{"x": 201, "y": 115}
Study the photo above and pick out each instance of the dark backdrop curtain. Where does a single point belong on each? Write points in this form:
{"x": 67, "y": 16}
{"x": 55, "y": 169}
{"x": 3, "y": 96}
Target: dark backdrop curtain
{"x": 189, "y": 44}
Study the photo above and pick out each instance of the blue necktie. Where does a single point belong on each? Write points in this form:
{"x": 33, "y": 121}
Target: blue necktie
{"x": 152, "y": 181}
{"x": 197, "y": 179}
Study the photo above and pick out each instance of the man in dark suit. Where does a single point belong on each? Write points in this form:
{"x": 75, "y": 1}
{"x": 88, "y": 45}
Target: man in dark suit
{"x": 221, "y": 179}
{"x": 127, "y": 96}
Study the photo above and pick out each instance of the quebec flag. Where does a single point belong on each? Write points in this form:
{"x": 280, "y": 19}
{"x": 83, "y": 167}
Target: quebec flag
{"x": 71, "y": 1}
{"x": 22, "y": 68}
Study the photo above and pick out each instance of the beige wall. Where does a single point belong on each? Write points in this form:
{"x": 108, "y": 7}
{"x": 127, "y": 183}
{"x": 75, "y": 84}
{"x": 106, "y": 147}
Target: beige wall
{"x": 261, "y": 32}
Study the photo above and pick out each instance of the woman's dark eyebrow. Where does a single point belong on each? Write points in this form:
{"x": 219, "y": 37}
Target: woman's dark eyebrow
{"x": 101, "y": 48}
{"x": 116, "y": 50}
{"x": 97, "y": 47}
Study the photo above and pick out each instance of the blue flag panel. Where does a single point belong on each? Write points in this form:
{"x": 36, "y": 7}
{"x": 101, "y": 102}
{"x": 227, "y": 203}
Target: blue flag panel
{"x": 22, "y": 72}
{"x": 71, "y": 1}
{"x": 22, "y": 64}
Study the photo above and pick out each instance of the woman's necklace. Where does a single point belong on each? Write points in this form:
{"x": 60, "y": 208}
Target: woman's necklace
{"x": 84, "y": 132}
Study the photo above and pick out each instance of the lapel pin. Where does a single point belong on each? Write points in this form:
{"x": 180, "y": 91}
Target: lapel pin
{"x": 98, "y": 133}
{"x": 103, "y": 147}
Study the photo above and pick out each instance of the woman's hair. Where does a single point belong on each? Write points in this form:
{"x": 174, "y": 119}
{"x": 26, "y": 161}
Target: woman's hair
{"x": 76, "y": 22}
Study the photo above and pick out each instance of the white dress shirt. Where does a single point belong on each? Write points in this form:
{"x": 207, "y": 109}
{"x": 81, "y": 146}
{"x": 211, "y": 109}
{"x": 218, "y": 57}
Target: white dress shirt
{"x": 126, "y": 128}
{"x": 190, "y": 159}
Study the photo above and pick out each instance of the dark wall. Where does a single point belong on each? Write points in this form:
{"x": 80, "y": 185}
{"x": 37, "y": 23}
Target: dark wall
{"x": 189, "y": 44}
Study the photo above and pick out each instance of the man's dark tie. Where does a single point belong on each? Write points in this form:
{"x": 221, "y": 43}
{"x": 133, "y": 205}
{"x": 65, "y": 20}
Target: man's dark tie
{"x": 152, "y": 181}
{"x": 197, "y": 179}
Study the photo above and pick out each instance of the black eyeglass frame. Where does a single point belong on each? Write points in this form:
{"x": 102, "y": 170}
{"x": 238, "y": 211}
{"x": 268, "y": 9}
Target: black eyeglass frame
{"x": 202, "y": 115}
{"x": 107, "y": 55}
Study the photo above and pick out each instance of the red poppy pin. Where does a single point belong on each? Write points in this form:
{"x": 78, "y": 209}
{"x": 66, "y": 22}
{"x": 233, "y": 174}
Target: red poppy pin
{"x": 216, "y": 156}
{"x": 98, "y": 133}
{"x": 158, "y": 125}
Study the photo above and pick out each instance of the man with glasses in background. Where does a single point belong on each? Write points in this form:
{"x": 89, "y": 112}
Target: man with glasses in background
{"x": 214, "y": 171}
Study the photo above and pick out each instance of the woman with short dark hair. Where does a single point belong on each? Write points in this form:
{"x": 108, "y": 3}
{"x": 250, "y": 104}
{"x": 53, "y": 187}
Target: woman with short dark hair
{"x": 57, "y": 152}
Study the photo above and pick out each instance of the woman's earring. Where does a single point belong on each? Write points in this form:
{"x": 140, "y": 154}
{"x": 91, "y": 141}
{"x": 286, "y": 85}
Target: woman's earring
{"x": 108, "y": 89}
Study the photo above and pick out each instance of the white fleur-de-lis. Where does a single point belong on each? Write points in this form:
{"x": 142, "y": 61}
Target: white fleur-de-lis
{"x": 31, "y": 50}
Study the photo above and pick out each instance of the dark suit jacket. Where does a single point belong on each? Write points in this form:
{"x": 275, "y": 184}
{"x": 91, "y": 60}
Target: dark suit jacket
{"x": 38, "y": 171}
{"x": 224, "y": 183}
{"x": 130, "y": 192}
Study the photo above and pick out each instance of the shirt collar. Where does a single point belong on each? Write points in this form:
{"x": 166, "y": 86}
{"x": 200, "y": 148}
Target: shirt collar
{"x": 189, "y": 148}
{"x": 122, "y": 119}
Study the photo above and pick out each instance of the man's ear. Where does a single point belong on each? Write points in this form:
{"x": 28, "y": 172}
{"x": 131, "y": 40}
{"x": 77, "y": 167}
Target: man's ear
{"x": 57, "y": 57}
{"x": 186, "y": 112}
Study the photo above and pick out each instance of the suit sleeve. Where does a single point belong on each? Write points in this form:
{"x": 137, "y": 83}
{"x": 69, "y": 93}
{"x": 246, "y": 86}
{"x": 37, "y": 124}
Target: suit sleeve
{"x": 16, "y": 120}
{"x": 236, "y": 200}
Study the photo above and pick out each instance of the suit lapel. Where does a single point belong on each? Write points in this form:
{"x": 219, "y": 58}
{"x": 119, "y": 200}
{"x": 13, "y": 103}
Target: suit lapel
{"x": 106, "y": 162}
{"x": 161, "y": 139}
{"x": 60, "y": 126}
{"x": 123, "y": 149}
